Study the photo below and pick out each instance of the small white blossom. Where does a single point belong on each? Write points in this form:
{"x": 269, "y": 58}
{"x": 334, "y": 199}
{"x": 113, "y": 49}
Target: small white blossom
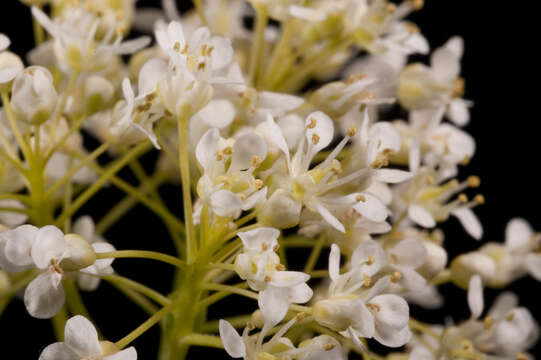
{"x": 81, "y": 343}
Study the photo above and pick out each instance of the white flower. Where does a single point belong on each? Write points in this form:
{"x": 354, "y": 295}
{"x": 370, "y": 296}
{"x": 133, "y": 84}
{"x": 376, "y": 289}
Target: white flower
{"x": 366, "y": 313}
{"x": 81, "y": 343}
{"x": 76, "y": 45}
{"x": 423, "y": 87}
{"x": 429, "y": 141}
{"x": 10, "y": 64}
{"x": 228, "y": 185}
{"x": 260, "y": 266}
{"x": 34, "y": 96}
{"x": 426, "y": 199}
{"x": 50, "y": 252}
{"x": 12, "y": 219}
{"x": 87, "y": 279}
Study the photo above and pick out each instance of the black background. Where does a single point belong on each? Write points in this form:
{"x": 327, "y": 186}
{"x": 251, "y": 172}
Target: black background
{"x": 500, "y": 68}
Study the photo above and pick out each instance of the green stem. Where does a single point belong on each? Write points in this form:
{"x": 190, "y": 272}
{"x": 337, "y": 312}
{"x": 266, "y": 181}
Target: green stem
{"x": 143, "y": 254}
{"x": 202, "y": 340}
{"x": 258, "y": 42}
{"x": 137, "y": 298}
{"x": 96, "y": 186}
{"x": 184, "y": 161}
{"x": 14, "y": 127}
{"x": 140, "y": 288}
{"x": 314, "y": 255}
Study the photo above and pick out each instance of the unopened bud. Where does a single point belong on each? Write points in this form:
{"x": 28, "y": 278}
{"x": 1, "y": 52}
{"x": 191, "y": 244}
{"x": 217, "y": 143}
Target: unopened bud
{"x": 98, "y": 92}
{"x": 79, "y": 253}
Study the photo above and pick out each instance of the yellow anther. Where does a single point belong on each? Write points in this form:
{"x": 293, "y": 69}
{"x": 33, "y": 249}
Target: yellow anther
{"x": 371, "y": 260}
{"x": 430, "y": 180}
{"x": 264, "y": 246}
{"x": 354, "y": 78}
{"x": 250, "y": 326}
{"x": 201, "y": 66}
{"x": 396, "y": 276}
{"x": 276, "y": 247}
{"x": 474, "y": 181}
{"x": 55, "y": 267}
{"x": 267, "y": 278}
{"x": 255, "y": 161}
{"x": 312, "y": 124}
{"x": 465, "y": 161}
{"x": 258, "y": 184}
{"x": 373, "y": 307}
{"x": 362, "y": 107}
{"x": 280, "y": 267}
{"x": 522, "y": 356}
{"x": 300, "y": 316}
{"x": 336, "y": 166}
{"x": 366, "y": 280}
{"x": 219, "y": 156}
{"x": 228, "y": 150}
{"x": 459, "y": 86}
{"x": 391, "y": 8}
{"x": 315, "y": 139}
{"x": 176, "y": 47}
{"x": 203, "y": 49}
{"x": 185, "y": 49}
{"x": 462, "y": 198}
{"x": 412, "y": 28}
{"x": 150, "y": 97}
{"x": 360, "y": 197}
{"x": 210, "y": 49}
{"x": 480, "y": 199}
{"x": 352, "y": 131}
{"x": 417, "y": 4}
{"x": 487, "y": 323}
{"x": 510, "y": 317}
{"x": 328, "y": 347}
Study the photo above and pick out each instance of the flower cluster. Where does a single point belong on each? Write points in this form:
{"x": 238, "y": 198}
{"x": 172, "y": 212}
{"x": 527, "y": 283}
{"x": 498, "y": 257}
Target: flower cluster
{"x": 275, "y": 134}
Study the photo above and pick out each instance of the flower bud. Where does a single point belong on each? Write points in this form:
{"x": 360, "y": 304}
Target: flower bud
{"x": 435, "y": 262}
{"x": 467, "y": 265}
{"x": 98, "y": 92}
{"x": 336, "y": 313}
{"x": 79, "y": 253}
{"x": 10, "y": 66}
{"x": 257, "y": 319}
{"x": 280, "y": 211}
{"x": 34, "y": 96}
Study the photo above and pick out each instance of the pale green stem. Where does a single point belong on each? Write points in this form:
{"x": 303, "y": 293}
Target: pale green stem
{"x": 65, "y": 137}
{"x": 314, "y": 255}
{"x": 140, "y": 288}
{"x": 143, "y": 254}
{"x": 74, "y": 170}
{"x": 137, "y": 298}
{"x": 184, "y": 161}
{"x": 258, "y": 43}
{"x": 96, "y": 186}
{"x": 278, "y": 52}
{"x": 13, "y": 123}
{"x": 202, "y": 340}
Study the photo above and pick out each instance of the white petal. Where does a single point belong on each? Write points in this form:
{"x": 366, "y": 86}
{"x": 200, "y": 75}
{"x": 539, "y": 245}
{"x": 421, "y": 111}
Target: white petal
{"x": 334, "y": 262}
{"x": 328, "y": 217}
{"x": 356, "y": 340}
{"x": 205, "y": 152}
{"x": 81, "y": 337}
{"x": 518, "y": 233}
{"x": 319, "y": 130}
{"x": 218, "y": 113}
{"x": 223, "y": 52}
{"x": 421, "y": 216}
{"x": 383, "y": 136}
{"x": 470, "y": 222}
{"x": 393, "y": 311}
{"x": 372, "y": 208}
{"x": 455, "y": 45}
{"x": 150, "y": 74}
{"x": 255, "y": 199}
{"x": 299, "y": 294}
{"x": 4, "y": 42}
{"x": 368, "y": 250}
{"x": 254, "y": 239}
{"x": 126, "y": 354}
{"x": 306, "y": 13}
{"x": 288, "y": 278}
{"x": 392, "y": 337}
{"x": 8, "y": 74}
{"x": 459, "y": 112}
{"x": 245, "y": 149}
{"x": 409, "y": 252}
{"x": 19, "y": 242}
{"x": 84, "y": 226}
{"x": 49, "y": 245}
{"x": 57, "y": 351}
{"x": 232, "y": 341}
{"x": 392, "y": 176}
{"x": 411, "y": 279}
{"x": 475, "y": 296}
{"x": 274, "y": 304}
{"x": 278, "y": 103}
{"x": 225, "y": 203}
{"x": 378, "y": 287}
{"x": 88, "y": 282}
{"x": 414, "y": 156}
{"x": 42, "y": 298}
{"x": 276, "y": 137}
{"x": 533, "y": 264}
{"x": 420, "y": 353}
{"x": 445, "y": 64}
{"x": 503, "y": 304}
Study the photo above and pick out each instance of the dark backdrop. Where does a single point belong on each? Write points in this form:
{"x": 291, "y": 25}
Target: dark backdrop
{"x": 500, "y": 69}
